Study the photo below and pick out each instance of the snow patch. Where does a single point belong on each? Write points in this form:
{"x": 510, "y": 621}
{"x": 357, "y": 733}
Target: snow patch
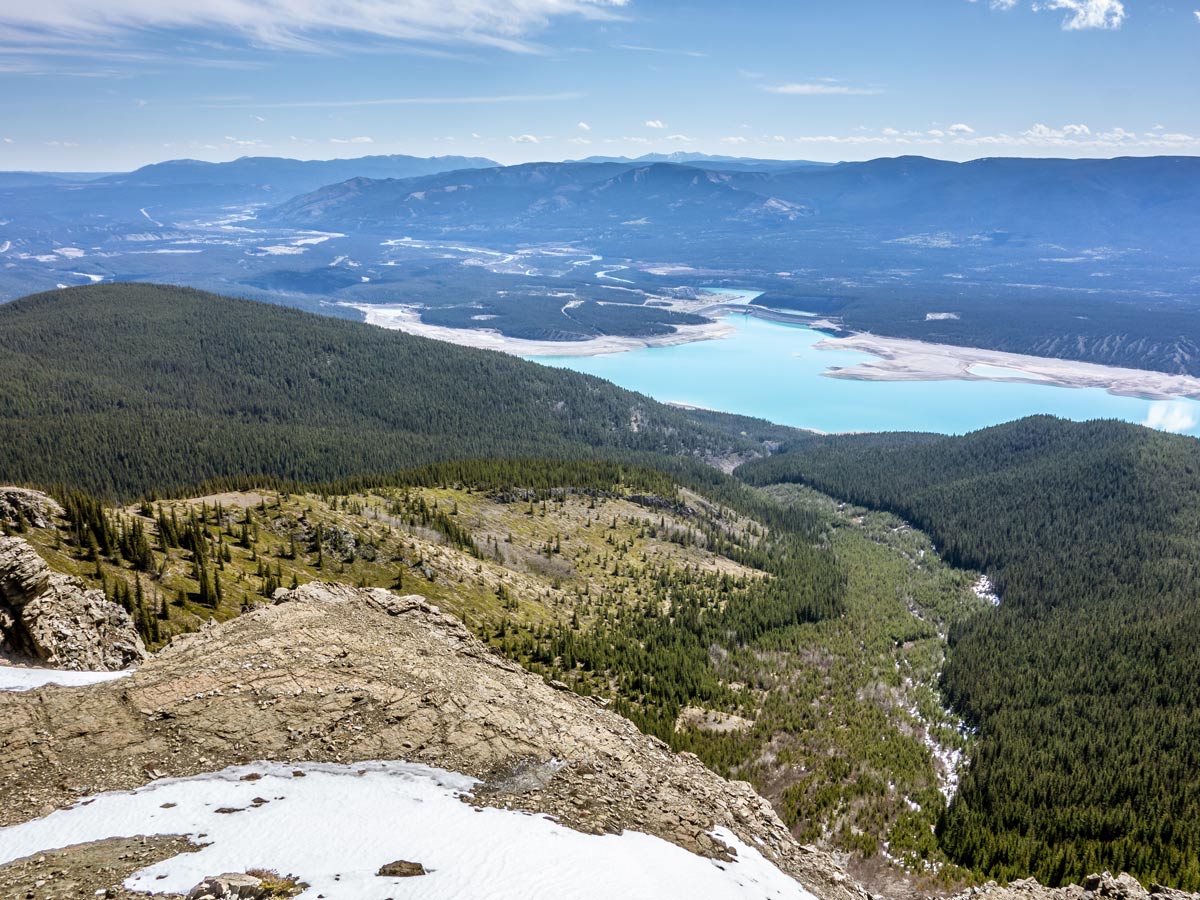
{"x": 336, "y": 826}
{"x": 985, "y": 590}
{"x": 20, "y": 678}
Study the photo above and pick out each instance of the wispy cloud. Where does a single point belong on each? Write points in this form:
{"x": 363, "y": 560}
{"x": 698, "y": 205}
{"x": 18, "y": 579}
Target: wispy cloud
{"x": 524, "y": 139}
{"x": 654, "y": 123}
{"x": 584, "y": 126}
{"x": 819, "y": 89}
{"x": 640, "y": 48}
{"x": 403, "y": 101}
{"x": 354, "y": 140}
{"x": 305, "y": 24}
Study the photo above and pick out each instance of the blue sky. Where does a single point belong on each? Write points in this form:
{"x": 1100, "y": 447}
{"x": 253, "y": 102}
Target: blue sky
{"x": 88, "y": 86}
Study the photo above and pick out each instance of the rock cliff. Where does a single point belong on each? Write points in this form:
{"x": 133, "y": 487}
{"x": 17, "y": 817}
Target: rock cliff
{"x": 51, "y": 618}
{"x": 20, "y": 506}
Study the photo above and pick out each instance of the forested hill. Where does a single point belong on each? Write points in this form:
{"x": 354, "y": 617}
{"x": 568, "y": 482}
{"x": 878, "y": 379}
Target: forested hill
{"x": 120, "y": 389}
{"x": 1084, "y": 682}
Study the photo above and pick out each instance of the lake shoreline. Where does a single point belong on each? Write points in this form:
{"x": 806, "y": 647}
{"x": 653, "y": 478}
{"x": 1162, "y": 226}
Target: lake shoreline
{"x": 408, "y": 319}
{"x": 895, "y": 359}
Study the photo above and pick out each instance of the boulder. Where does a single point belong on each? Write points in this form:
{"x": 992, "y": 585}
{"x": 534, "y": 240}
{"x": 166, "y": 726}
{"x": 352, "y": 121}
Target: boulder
{"x": 231, "y": 886}
{"x": 401, "y": 868}
{"x": 54, "y": 619}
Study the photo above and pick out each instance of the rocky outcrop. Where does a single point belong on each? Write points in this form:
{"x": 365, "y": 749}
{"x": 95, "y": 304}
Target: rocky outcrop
{"x": 52, "y": 618}
{"x": 337, "y": 674}
{"x": 19, "y": 507}
{"x": 232, "y": 886}
{"x": 1104, "y": 886}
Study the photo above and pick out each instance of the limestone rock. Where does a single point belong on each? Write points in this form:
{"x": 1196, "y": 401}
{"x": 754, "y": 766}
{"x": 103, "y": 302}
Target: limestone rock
{"x": 52, "y": 618}
{"x": 231, "y": 886}
{"x": 1095, "y": 887}
{"x": 19, "y": 505}
{"x": 23, "y": 574}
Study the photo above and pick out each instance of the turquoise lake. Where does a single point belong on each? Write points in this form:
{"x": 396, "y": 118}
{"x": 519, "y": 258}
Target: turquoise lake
{"x": 773, "y": 371}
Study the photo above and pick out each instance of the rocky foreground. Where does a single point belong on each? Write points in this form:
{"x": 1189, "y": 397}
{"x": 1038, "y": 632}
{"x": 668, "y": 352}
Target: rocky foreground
{"x": 336, "y": 674}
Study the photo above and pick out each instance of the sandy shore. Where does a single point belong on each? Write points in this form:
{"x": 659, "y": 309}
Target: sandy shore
{"x": 908, "y": 360}
{"x": 408, "y": 319}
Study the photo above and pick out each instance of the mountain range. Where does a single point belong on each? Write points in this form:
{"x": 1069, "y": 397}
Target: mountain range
{"x": 1074, "y": 202}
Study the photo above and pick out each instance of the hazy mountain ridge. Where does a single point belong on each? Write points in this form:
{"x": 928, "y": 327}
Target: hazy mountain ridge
{"x": 284, "y": 176}
{"x": 1089, "y": 201}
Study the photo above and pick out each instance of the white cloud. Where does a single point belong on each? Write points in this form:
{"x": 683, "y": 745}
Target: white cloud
{"x": 1197, "y": 15}
{"x": 679, "y": 138}
{"x": 584, "y": 126}
{"x": 1045, "y": 134}
{"x": 258, "y": 118}
{"x": 818, "y": 89}
{"x": 655, "y": 123}
{"x": 353, "y": 140}
{"x": 733, "y": 139}
{"x": 961, "y": 129}
{"x": 1081, "y": 14}
{"x": 524, "y": 139}
{"x": 9, "y": 140}
{"x": 298, "y": 24}
{"x": 1172, "y": 415}
{"x": 1088, "y": 13}
{"x": 891, "y": 132}
{"x": 841, "y": 139}
{"x": 579, "y": 140}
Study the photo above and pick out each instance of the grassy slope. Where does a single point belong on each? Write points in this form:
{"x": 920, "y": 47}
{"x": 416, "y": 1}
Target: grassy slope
{"x": 828, "y": 719}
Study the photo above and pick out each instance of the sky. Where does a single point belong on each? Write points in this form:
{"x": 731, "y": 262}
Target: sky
{"x": 88, "y": 86}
